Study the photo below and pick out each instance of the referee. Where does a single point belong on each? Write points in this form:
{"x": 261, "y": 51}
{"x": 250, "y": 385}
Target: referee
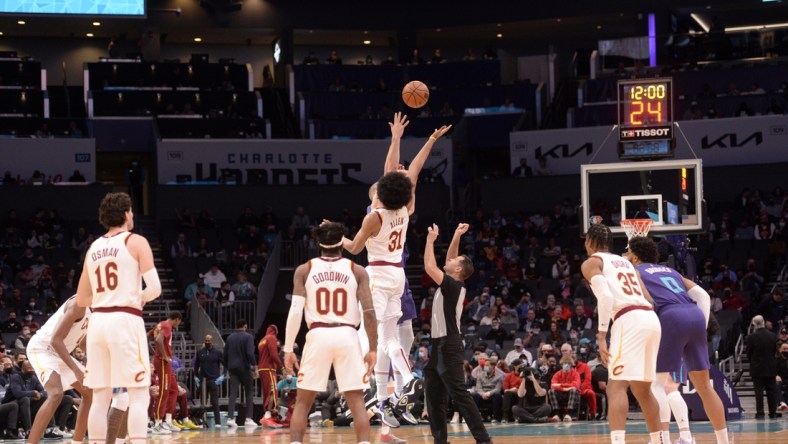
{"x": 444, "y": 375}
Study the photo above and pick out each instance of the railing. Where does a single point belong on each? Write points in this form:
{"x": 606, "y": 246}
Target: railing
{"x": 224, "y": 317}
{"x": 782, "y": 279}
{"x": 295, "y": 253}
{"x": 727, "y": 367}
{"x": 202, "y": 325}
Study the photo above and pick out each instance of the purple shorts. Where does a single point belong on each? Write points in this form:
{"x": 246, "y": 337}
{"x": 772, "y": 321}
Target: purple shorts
{"x": 683, "y": 336}
{"x": 408, "y": 306}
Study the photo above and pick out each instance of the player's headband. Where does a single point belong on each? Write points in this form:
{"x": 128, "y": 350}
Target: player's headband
{"x": 328, "y": 247}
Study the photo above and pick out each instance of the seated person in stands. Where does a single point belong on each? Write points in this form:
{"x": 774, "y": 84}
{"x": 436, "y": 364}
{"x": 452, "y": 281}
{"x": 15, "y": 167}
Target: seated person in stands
{"x": 334, "y": 59}
{"x": 564, "y": 390}
{"x": 487, "y": 392}
{"x": 532, "y": 406}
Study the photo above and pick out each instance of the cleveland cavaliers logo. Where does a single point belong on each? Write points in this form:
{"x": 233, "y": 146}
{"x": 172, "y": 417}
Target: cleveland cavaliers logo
{"x": 139, "y": 377}
{"x": 618, "y": 370}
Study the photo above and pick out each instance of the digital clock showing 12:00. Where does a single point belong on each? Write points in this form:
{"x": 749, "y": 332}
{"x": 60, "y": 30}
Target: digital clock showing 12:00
{"x": 645, "y": 109}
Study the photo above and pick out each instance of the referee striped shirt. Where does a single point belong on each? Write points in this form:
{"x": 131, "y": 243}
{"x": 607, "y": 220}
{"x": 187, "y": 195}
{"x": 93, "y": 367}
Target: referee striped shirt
{"x": 447, "y": 308}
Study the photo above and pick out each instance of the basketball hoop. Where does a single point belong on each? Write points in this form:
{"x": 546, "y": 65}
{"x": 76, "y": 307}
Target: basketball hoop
{"x": 636, "y": 227}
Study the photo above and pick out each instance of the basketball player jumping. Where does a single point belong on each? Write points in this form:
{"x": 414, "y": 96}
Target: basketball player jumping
{"x": 635, "y": 335}
{"x": 384, "y": 231}
{"x": 405, "y": 327}
{"x": 49, "y": 351}
{"x": 683, "y": 310}
{"x": 118, "y": 370}
{"x": 329, "y": 289}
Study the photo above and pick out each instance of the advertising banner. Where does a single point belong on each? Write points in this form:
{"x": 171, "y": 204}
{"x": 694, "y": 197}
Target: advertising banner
{"x": 726, "y": 392}
{"x": 57, "y": 159}
{"x": 293, "y": 162}
{"x": 735, "y": 141}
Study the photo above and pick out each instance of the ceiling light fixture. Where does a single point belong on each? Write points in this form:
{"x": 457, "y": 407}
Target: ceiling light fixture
{"x": 757, "y": 27}
{"x": 90, "y": 34}
{"x": 96, "y": 23}
{"x": 499, "y": 35}
{"x": 701, "y": 21}
{"x": 367, "y": 42}
{"x": 20, "y": 22}
{"x": 198, "y": 39}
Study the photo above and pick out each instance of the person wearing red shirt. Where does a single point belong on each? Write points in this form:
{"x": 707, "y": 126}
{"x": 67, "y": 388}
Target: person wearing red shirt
{"x": 511, "y": 382}
{"x": 268, "y": 365}
{"x": 565, "y": 389}
{"x": 586, "y": 391}
{"x": 162, "y": 368}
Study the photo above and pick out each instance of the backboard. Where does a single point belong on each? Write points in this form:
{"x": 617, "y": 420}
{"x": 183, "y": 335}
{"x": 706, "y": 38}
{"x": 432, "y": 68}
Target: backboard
{"x": 670, "y": 192}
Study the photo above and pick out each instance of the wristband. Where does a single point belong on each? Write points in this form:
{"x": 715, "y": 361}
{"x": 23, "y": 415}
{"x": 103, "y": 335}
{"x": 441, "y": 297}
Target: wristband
{"x": 433, "y": 139}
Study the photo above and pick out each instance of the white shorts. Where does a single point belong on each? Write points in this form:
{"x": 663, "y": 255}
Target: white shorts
{"x": 634, "y": 345}
{"x": 46, "y": 361}
{"x": 386, "y": 283}
{"x": 337, "y": 346}
{"x": 117, "y": 350}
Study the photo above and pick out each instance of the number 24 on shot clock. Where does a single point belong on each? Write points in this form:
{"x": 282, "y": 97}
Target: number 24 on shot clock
{"x": 645, "y": 109}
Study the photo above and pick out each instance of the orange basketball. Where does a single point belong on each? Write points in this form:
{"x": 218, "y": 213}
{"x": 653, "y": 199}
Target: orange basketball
{"x": 415, "y": 94}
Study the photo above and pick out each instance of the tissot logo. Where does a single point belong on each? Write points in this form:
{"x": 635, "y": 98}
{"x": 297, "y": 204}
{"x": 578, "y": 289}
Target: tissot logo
{"x": 731, "y": 140}
{"x": 562, "y": 150}
{"x": 648, "y": 132}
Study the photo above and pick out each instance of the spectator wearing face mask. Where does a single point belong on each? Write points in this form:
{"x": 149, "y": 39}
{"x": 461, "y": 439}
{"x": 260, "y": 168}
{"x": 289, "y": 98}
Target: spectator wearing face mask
{"x": 9, "y": 412}
{"x": 11, "y": 325}
{"x": 565, "y": 390}
{"x": 285, "y": 386}
{"x": 782, "y": 371}
{"x": 497, "y": 334}
{"x": 23, "y": 339}
{"x": 422, "y": 359}
{"x": 3, "y": 351}
{"x": 488, "y": 390}
{"x": 207, "y": 367}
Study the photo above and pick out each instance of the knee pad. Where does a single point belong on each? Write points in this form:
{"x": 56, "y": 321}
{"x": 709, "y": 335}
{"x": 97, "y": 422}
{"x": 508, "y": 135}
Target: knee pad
{"x": 120, "y": 399}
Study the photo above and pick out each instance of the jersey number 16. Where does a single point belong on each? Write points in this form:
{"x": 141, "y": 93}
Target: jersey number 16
{"x": 110, "y": 277}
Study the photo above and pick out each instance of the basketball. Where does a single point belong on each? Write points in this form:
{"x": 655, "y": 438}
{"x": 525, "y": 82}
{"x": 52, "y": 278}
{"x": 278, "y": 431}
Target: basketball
{"x": 415, "y": 94}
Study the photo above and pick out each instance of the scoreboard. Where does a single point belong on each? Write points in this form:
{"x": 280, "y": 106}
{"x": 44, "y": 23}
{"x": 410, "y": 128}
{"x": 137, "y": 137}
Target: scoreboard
{"x": 645, "y": 118}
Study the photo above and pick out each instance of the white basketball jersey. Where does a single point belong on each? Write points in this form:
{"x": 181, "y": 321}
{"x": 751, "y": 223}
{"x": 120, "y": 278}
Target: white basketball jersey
{"x": 115, "y": 277}
{"x": 74, "y": 336}
{"x": 622, "y": 279}
{"x": 387, "y": 245}
{"x": 331, "y": 292}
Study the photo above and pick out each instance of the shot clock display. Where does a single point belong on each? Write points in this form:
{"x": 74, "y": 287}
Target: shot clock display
{"x": 645, "y": 118}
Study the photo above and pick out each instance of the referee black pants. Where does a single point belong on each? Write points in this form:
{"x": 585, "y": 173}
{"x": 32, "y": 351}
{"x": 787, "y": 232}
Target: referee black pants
{"x": 443, "y": 377}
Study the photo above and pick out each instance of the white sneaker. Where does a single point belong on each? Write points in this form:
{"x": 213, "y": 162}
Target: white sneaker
{"x": 456, "y": 418}
{"x": 159, "y": 429}
{"x": 783, "y": 407}
{"x": 567, "y": 418}
{"x": 171, "y": 427}
{"x": 249, "y": 423}
{"x": 217, "y": 426}
{"x": 64, "y": 433}
{"x": 231, "y": 423}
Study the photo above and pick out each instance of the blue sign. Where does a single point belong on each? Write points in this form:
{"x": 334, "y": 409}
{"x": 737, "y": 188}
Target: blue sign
{"x": 726, "y": 392}
{"x": 74, "y": 7}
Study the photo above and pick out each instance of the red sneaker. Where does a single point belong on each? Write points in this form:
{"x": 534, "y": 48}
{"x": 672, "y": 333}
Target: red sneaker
{"x": 270, "y": 423}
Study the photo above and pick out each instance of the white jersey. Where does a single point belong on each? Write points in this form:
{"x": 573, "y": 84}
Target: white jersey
{"x": 387, "y": 245}
{"x": 78, "y": 330}
{"x": 331, "y": 292}
{"x": 622, "y": 279}
{"x": 115, "y": 277}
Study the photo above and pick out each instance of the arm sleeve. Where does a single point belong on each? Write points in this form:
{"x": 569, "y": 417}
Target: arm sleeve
{"x": 701, "y": 297}
{"x": 152, "y": 285}
{"x": 293, "y": 322}
{"x": 605, "y": 300}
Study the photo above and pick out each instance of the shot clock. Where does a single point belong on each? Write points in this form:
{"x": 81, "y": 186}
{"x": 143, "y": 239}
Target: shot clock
{"x": 645, "y": 118}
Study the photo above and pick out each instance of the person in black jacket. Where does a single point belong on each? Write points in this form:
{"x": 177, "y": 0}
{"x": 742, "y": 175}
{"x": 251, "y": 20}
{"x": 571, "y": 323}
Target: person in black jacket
{"x": 240, "y": 363}
{"x": 25, "y": 384}
{"x": 782, "y": 375}
{"x": 761, "y": 347}
{"x": 206, "y": 367}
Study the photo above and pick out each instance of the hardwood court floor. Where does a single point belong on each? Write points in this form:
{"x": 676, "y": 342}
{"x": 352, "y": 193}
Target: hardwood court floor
{"x": 742, "y": 432}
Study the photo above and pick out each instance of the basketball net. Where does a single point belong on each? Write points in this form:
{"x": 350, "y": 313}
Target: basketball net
{"x": 636, "y": 227}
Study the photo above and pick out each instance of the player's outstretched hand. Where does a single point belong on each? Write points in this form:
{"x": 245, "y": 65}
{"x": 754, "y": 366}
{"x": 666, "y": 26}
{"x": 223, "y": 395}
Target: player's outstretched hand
{"x": 462, "y": 229}
{"x": 370, "y": 359}
{"x": 438, "y": 133}
{"x": 432, "y": 233}
{"x": 325, "y": 221}
{"x": 291, "y": 363}
{"x": 399, "y": 124}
